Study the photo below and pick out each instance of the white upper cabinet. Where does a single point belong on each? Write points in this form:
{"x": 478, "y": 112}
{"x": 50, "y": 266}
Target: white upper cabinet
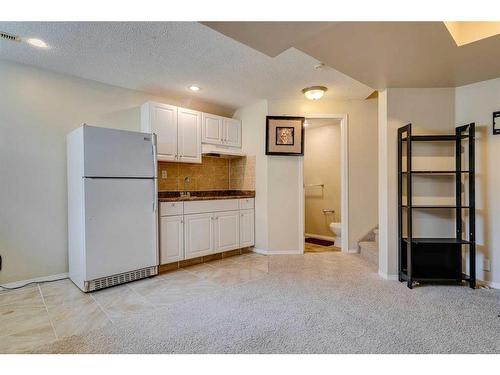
{"x": 189, "y": 135}
{"x": 161, "y": 119}
{"x": 218, "y": 130}
{"x": 231, "y": 132}
{"x": 178, "y": 131}
{"x": 212, "y": 129}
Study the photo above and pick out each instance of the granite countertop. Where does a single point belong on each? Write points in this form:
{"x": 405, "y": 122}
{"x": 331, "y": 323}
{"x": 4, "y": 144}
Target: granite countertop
{"x": 175, "y": 196}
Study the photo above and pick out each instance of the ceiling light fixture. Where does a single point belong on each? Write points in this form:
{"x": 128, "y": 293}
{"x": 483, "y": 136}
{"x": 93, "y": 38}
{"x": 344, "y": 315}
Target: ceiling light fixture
{"x": 194, "y": 88}
{"x": 314, "y": 92}
{"x": 37, "y": 43}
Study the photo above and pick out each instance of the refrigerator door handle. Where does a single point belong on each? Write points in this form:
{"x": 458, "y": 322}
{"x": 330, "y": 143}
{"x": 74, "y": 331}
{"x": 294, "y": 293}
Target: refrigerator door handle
{"x": 155, "y": 160}
{"x": 155, "y": 163}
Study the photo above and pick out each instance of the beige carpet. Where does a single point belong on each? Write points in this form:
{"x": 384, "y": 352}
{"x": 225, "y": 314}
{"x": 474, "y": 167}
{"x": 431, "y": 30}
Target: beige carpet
{"x": 313, "y": 303}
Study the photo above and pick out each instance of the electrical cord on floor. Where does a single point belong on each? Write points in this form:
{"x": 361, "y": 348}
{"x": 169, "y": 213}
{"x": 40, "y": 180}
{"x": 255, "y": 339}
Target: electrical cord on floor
{"x": 32, "y": 282}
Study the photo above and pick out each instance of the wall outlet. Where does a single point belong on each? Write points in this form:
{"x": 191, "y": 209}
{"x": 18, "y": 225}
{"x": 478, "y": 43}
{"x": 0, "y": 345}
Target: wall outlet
{"x": 164, "y": 173}
{"x": 486, "y": 265}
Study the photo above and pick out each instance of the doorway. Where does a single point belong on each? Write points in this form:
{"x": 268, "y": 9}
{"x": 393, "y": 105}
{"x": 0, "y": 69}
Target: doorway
{"x": 325, "y": 184}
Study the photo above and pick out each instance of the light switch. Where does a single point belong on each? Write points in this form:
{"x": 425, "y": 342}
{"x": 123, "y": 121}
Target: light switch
{"x": 164, "y": 173}
{"x": 486, "y": 265}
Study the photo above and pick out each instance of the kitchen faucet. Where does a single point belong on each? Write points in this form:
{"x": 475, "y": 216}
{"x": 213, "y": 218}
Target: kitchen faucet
{"x": 185, "y": 193}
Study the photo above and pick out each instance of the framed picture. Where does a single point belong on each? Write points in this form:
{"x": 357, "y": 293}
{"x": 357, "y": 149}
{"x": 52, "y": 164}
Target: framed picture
{"x": 284, "y": 135}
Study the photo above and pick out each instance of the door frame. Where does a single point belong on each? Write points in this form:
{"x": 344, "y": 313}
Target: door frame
{"x": 344, "y": 179}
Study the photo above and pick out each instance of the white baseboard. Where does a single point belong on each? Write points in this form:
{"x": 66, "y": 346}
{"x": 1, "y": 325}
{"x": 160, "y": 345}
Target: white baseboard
{"x": 277, "y": 252}
{"x": 353, "y": 251}
{"x": 387, "y": 276}
{"x": 319, "y": 236}
{"x": 491, "y": 284}
{"x": 19, "y": 283}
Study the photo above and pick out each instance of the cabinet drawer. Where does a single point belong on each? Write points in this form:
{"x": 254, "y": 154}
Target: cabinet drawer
{"x": 246, "y": 203}
{"x": 216, "y": 205}
{"x": 171, "y": 208}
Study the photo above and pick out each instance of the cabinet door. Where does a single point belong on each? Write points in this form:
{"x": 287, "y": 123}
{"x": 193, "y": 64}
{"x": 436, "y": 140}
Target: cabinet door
{"x": 198, "y": 235}
{"x": 232, "y": 132}
{"x": 171, "y": 239}
{"x": 163, "y": 120}
{"x": 247, "y": 228}
{"x": 227, "y": 230}
{"x": 212, "y": 129}
{"x": 189, "y": 137}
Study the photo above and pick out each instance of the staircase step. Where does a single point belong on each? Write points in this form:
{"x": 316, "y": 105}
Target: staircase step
{"x": 369, "y": 251}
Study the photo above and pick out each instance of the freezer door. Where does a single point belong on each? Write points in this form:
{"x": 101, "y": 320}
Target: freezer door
{"x": 120, "y": 226}
{"x": 117, "y": 153}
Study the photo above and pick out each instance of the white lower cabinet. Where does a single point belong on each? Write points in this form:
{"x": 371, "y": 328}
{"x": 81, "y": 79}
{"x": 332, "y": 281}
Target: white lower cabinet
{"x": 197, "y": 233}
{"x": 199, "y": 236}
{"x": 247, "y": 228}
{"x": 171, "y": 239}
{"x": 227, "y": 230}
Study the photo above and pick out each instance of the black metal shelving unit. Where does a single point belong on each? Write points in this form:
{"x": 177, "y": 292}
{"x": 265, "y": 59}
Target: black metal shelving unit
{"x": 437, "y": 259}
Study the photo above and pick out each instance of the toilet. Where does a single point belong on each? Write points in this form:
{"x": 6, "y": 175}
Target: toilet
{"x": 336, "y": 229}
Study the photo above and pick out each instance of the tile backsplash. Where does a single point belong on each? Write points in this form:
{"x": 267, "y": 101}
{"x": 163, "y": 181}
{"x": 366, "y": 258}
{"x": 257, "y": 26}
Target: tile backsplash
{"x": 212, "y": 174}
{"x": 242, "y": 173}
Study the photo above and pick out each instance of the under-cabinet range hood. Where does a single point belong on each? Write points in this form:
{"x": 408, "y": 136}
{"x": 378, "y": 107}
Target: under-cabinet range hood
{"x": 221, "y": 151}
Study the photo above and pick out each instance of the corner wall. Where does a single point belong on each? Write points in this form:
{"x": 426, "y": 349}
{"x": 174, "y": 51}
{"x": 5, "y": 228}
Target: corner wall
{"x": 476, "y": 103}
{"x": 428, "y": 110}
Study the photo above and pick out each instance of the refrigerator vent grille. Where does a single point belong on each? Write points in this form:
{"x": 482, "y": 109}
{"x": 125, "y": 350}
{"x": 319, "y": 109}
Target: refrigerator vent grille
{"x": 11, "y": 37}
{"x": 106, "y": 282}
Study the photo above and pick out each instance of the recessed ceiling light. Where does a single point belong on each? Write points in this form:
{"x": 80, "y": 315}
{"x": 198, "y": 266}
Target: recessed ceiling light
{"x": 37, "y": 43}
{"x": 195, "y": 88}
{"x": 314, "y": 92}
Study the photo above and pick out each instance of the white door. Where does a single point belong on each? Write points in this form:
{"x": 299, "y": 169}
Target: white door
{"x": 117, "y": 153}
{"x": 198, "y": 235}
{"x": 171, "y": 239}
{"x": 227, "y": 230}
{"x": 211, "y": 129}
{"x": 163, "y": 119}
{"x": 247, "y": 228}
{"x": 189, "y": 138}
{"x": 120, "y": 226}
{"x": 232, "y": 132}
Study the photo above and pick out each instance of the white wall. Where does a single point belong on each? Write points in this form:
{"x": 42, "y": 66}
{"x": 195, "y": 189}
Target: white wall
{"x": 279, "y": 178}
{"x": 363, "y": 171}
{"x": 476, "y": 103}
{"x": 253, "y": 136}
{"x": 428, "y": 110}
{"x": 38, "y": 108}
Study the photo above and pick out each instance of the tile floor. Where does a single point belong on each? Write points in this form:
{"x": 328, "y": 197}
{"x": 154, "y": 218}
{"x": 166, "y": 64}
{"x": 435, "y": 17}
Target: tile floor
{"x": 312, "y": 248}
{"x": 43, "y": 313}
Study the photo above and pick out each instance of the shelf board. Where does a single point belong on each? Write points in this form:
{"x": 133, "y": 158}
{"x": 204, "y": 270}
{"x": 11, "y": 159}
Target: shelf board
{"x": 435, "y": 172}
{"x": 438, "y": 240}
{"x": 435, "y": 138}
{"x": 434, "y": 206}
{"x": 463, "y": 277}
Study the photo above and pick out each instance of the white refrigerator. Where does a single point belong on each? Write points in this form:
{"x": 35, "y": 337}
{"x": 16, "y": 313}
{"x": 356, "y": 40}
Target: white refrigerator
{"x": 112, "y": 206}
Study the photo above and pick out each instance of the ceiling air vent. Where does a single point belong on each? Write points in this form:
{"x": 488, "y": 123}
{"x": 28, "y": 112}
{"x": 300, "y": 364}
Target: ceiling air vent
{"x": 7, "y": 36}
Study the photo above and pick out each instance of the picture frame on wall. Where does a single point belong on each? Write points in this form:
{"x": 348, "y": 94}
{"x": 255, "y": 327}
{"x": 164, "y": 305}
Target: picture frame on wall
{"x": 285, "y": 135}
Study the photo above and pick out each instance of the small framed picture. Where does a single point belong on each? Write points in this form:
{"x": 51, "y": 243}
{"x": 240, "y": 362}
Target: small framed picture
{"x": 284, "y": 135}
{"x": 496, "y": 118}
